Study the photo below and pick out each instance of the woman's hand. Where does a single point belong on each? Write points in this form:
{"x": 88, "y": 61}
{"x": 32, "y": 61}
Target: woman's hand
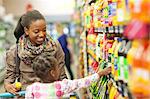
{"x": 105, "y": 71}
{"x": 11, "y": 88}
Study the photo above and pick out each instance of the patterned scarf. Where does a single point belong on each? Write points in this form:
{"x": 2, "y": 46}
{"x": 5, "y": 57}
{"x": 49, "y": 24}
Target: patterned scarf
{"x": 27, "y": 51}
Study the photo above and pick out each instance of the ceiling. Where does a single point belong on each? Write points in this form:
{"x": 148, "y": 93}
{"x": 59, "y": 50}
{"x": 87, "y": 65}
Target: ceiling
{"x": 54, "y": 10}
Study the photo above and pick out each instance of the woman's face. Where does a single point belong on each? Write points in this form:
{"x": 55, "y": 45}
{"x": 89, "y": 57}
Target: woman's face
{"x": 37, "y": 32}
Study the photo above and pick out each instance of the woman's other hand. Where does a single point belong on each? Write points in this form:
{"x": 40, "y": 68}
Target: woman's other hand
{"x": 11, "y": 88}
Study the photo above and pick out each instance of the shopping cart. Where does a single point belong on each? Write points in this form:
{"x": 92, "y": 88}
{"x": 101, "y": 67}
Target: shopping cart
{"x": 22, "y": 93}
{"x": 9, "y": 95}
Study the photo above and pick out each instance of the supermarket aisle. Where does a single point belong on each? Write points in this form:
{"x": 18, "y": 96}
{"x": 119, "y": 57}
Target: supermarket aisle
{"x": 114, "y": 33}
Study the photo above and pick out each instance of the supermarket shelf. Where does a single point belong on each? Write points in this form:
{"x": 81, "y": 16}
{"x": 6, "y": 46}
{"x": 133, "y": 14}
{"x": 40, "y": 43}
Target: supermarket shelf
{"x": 92, "y": 54}
{"x": 90, "y": 43}
{"x": 111, "y": 30}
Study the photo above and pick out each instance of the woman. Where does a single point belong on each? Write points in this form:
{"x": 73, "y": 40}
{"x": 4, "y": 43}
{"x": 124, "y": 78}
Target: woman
{"x": 31, "y": 42}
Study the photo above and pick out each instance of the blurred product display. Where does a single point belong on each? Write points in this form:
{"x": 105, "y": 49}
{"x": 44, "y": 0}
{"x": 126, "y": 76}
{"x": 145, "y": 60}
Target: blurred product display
{"x": 117, "y": 34}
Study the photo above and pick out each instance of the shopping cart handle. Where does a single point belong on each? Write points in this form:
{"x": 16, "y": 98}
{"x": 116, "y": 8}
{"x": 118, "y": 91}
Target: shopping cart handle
{"x": 8, "y": 95}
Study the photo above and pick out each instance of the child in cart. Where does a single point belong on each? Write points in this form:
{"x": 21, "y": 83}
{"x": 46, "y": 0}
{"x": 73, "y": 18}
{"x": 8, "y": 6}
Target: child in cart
{"x": 46, "y": 68}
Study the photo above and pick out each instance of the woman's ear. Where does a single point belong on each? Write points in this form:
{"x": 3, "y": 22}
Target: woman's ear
{"x": 26, "y": 31}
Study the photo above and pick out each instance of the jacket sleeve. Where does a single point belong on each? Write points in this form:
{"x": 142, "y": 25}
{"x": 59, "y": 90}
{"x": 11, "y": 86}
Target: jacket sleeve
{"x": 3, "y": 65}
{"x": 10, "y": 66}
{"x": 61, "y": 60}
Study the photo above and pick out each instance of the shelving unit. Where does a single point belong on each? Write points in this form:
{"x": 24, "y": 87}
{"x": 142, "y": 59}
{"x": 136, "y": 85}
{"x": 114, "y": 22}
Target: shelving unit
{"x": 110, "y": 39}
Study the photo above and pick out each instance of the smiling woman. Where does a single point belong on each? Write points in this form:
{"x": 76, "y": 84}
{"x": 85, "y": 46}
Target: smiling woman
{"x": 31, "y": 42}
